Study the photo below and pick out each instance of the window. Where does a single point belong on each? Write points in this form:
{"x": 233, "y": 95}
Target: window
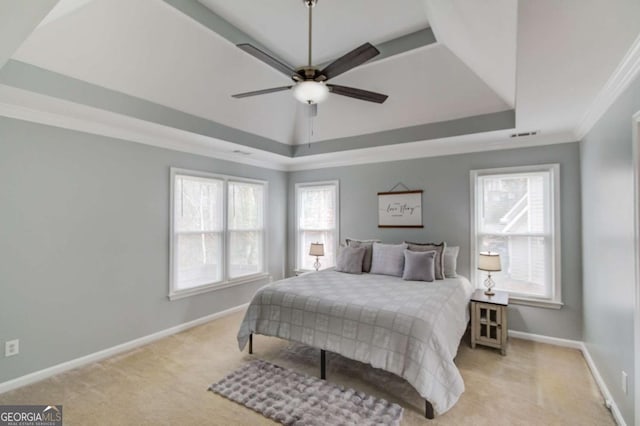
{"x": 516, "y": 215}
{"x": 316, "y": 222}
{"x": 246, "y": 228}
{"x": 217, "y": 231}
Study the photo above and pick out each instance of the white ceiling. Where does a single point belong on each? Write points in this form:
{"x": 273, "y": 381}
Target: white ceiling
{"x": 63, "y": 8}
{"x": 483, "y": 34}
{"x": 565, "y": 57}
{"x": 546, "y": 59}
{"x": 17, "y": 23}
{"x": 338, "y": 26}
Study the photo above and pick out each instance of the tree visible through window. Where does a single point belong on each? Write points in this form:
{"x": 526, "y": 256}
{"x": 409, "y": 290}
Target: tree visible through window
{"x": 316, "y": 222}
{"x": 246, "y": 228}
{"x": 198, "y": 228}
{"x": 217, "y": 230}
{"x": 515, "y": 216}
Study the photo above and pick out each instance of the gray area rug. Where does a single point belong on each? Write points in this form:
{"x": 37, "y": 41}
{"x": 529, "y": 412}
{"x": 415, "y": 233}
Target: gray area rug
{"x": 293, "y": 398}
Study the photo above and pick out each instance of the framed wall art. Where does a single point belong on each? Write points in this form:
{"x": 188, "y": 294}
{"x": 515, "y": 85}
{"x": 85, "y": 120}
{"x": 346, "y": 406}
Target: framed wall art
{"x": 400, "y": 209}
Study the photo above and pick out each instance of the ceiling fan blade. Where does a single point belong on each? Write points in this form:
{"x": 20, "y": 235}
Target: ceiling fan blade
{"x": 363, "y": 95}
{"x": 268, "y": 59}
{"x": 357, "y": 56}
{"x": 261, "y": 92}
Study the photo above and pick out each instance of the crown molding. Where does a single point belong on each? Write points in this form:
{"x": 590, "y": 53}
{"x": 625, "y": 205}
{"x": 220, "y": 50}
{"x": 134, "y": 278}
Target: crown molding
{"x": 34, "y": 79}
{"x": 475, "y": 124}
{"x": 28, "y": 106}
{"x": 39, "y": 89}
{"x": 465, "y": 144}
{"x": 625, "y": 73}
{"x": 22, "y": 105}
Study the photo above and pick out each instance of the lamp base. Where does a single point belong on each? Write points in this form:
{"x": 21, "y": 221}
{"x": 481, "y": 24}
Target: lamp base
{"x": 316, "y": 264}
{"x": 489, "y": 283}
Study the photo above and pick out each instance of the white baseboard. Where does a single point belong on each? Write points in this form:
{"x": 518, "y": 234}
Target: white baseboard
{"x": 576, "y": 344}
{"x": 608, "y": 399}
{"x": 106, "y": 353}
{"x": 567, "y": 343}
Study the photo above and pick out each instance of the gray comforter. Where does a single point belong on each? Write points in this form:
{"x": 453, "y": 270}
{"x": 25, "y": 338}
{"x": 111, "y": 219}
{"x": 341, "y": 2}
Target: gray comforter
{"x": 412, "y": 329}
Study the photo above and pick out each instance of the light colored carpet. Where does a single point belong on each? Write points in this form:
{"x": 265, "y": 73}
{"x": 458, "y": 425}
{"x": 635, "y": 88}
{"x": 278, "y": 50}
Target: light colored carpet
{"x": 295, "y": 399}
{"x": 166, "y": 383}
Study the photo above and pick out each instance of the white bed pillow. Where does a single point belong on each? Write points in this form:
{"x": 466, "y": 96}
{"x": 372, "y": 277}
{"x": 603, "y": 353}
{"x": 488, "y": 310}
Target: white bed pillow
{"x": 388, "y": 259}
{"x": 451, "y": 261}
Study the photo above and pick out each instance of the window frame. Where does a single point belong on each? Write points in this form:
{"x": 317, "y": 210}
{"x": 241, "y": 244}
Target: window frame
{"x": 555, "y": 300}
{"x": 175, "y": 293}
{"x": 298, "y": 186}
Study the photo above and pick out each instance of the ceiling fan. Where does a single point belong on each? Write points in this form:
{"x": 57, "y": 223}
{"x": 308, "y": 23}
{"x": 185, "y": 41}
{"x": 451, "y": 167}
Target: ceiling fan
{"x": 310, "y": 82}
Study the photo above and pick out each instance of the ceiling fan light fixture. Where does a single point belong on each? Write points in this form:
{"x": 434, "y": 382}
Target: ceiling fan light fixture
{"x": 310, "y": 92}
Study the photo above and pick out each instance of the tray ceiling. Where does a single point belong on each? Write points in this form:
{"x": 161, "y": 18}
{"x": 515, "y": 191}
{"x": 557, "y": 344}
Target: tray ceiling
{"x": 174, "y": 64}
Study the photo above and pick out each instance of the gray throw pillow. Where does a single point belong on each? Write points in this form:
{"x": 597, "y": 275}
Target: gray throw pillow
{"x": 388, "y": 259}
{"x": 350, "y": 260}
{"x": 439, "y": 249}
{"x": 368, "y": 245}
{"x": 419, "y": 265}
{"x": 451, "y": 261}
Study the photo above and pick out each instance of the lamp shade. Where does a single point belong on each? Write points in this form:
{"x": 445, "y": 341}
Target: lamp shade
{"x": 316, "y": 249}
{"x": 310, "y": 92}
{"x": 488, "y": 261}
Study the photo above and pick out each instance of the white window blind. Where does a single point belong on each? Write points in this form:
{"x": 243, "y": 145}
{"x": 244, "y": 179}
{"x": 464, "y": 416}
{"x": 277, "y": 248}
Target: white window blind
{"x": 515, "y": 215}
{"x": 316, "y": 222}
{"x": 217, "y": 231}
{"x": 198, "y": 231}
{"x": 246, "y": 228}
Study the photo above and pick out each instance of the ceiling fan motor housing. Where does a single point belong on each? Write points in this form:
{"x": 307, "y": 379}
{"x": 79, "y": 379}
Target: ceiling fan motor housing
{"x": 307, "y": 73}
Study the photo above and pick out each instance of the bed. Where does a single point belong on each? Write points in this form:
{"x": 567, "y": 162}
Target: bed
{"x": 409, "y": 328}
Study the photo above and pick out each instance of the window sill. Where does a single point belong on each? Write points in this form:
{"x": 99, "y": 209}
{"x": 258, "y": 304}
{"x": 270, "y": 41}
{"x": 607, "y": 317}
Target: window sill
{"x": 549, "y": 304}
{"x": 181, "y": 294}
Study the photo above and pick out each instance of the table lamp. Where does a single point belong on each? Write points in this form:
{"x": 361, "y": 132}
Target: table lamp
{"x": 489, "y": 262}
{"x": 317, "y": 250}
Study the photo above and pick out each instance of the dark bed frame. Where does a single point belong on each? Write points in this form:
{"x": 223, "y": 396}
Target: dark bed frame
{"x": 428, "y": 408}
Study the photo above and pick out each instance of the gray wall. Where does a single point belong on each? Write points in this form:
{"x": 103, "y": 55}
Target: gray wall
{"x": 608, "y": 245}
{"x": 446, "y": 216}
{"x": 84, "y": 243}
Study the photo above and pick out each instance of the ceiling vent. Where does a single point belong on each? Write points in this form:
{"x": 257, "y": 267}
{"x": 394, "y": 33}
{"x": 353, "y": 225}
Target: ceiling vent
{"x": 522, "y": 134}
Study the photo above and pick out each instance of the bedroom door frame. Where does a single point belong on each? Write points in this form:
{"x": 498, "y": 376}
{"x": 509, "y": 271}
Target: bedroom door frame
{"x": 636, "y": 219}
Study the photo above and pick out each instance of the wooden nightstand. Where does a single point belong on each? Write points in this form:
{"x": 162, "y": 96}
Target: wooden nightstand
{"x": 489, "y": 320}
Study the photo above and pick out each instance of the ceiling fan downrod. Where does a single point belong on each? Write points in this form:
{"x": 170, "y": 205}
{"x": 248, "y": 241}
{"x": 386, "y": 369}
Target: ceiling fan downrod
{"x": 310, "y": 5}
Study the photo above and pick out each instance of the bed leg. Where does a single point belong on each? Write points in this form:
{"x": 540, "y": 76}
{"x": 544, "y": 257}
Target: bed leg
{"x": 323, "y": 364}
{"x": 250, "y": 344}
{"x": 428, "y": 410}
